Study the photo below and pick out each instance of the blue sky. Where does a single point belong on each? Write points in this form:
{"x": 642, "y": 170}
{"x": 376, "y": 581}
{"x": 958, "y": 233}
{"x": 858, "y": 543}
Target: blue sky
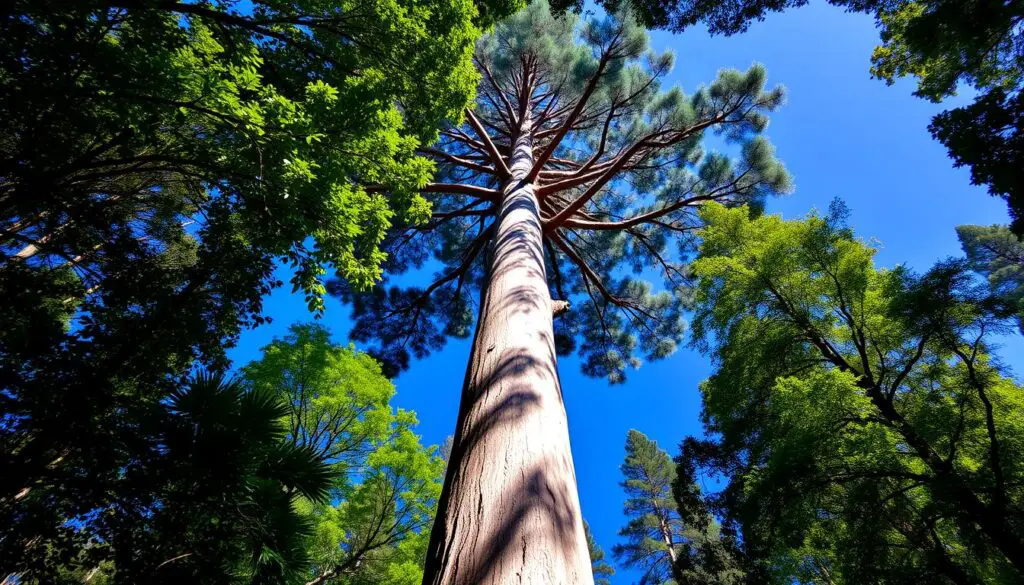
{"x": 841, "y": 134}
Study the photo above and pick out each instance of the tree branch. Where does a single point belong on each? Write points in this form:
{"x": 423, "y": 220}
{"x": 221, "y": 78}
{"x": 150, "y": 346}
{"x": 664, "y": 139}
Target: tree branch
{"x": 569, "y": 121}
{"x": 496, "y": 158}
{"x": 460, "y": 189}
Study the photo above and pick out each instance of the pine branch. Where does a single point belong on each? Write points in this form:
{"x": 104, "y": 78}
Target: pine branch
{"x": 462, "y": 189}
{"x": 458, "y": 161}
{"x": 497, "y": 88}
{"x": 569, "y": 121}
{"x": 492, "y": 151}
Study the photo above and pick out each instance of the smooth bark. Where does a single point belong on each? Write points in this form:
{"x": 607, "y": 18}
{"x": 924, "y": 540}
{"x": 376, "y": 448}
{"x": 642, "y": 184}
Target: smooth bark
{"x": 509, "y": 512}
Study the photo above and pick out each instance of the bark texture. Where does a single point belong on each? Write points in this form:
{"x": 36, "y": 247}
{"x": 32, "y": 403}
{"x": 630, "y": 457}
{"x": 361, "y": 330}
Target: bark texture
{"x": 509, "y": 512}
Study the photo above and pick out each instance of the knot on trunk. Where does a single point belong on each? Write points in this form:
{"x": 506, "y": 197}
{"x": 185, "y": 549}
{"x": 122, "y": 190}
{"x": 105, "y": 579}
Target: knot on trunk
{"x": 559, "y": 306}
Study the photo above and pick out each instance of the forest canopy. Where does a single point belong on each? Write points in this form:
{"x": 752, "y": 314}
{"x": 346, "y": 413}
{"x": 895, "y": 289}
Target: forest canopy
{"x": 531, "y": 176}
{"x": 857, "y": 412}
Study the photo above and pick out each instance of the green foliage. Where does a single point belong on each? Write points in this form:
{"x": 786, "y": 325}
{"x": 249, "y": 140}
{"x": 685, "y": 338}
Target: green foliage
{"x": 867, "y": 434}
{"x": 997, "y": 254}
{"x": 673, "y": 539}
{"x": 259, "y": 108}
{"x": 654, "y": 525}
{"x": 712, "y": 553}
{"x": 213, "y": 502}
{"x": 945, "y": 43}
{"x": 618, "y": 184}
{"x": 338, "y": 397}
{"x": 986, "y": 137}
{"x": 372, "y": 528}
{"x": 157, "y": 159}
{"x": 601, "y": 569}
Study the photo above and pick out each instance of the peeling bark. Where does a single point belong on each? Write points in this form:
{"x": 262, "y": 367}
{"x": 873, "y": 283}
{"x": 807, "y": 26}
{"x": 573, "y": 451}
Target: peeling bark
{"x": 509, "y": 512}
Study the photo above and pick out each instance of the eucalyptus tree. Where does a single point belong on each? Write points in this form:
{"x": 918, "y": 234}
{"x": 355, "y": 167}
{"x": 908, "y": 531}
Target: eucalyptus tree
{"x": 868, "y": 433}
{"x": 575, "y": 168}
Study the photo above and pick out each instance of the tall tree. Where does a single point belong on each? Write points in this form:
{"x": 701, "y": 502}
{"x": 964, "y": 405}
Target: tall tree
{"x": 599, "y": 567}
{"x": 373, "y": 528}
{"x": 943, "y": 43}
{"x": 867, "y": 433}
{"x": 997, "y": 254}
{"x": 574, "y": 168}
{"x": 671, "y": 535}
{"x": 654, "y": 533}
{"x": 156, "y": 159}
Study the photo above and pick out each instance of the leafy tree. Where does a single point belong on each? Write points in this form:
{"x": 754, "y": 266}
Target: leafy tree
{"x": 943, "y": 43}
{"x": 339, "y": 401}
{"x": 373, "y": 527}
{"x": 599, "y": 567}
{"x": 987, "y": 136}
{"x": 998, "y": 255}
{"x": 574, "y": 169}
{"x": 156, "y": 159}
{"x": 670, "y": 534}
{"x": 711, "y": 554}
{"x": 234, "y": 483}
{"x": 213, "y": 503}
{"x": 867, "y": 433}
{"x": 278, "y": 110}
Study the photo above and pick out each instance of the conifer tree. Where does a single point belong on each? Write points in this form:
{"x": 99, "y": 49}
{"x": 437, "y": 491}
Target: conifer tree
{"x": 654, "y": 528}
{"x": 671, "y": 533}
{"x": 575, "y": 169}
{"x": 945, "y": 44}
{"x": 997, "y": 254}
{"x": 601, "y": 569}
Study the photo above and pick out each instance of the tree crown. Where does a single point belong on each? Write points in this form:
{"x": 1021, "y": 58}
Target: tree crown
{"x": 618, "y": 171}
{"x": 846, "y": 398}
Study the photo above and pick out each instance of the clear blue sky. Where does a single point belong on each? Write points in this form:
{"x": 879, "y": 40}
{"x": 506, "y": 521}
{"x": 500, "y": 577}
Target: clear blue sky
{"x": 842, "y": 134}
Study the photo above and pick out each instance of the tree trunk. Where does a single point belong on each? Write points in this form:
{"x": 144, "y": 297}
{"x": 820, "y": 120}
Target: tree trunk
{"x": 666, "y": 537}
{"x": 949, "y": 486}
{"x": 509, "y": 512}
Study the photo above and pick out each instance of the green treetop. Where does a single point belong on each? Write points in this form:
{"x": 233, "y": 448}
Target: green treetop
{"x": 867, "y": 433}
{"x": 619, "y": 170}
{"x": 997, "y": 254}
{"x": 373, "y": 528}
{"x": 157, "y": 159}
{"x": 671, "y": 537}
{"x": 653, "y": 534}
{"x": 945, "y": 44}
